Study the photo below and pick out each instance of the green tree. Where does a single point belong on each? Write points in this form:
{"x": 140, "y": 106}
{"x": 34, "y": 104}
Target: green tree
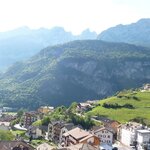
{"x": 6, "y": 135}
{"x": 72, "y": 108}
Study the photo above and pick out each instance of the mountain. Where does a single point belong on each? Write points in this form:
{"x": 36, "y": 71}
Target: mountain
{"x": 136, "y": 33}
{"x": 131, "y": 105}
{"x": 22, "y": 43}
{"x": 87, "y": 34}
{"x": 75, "y": 71}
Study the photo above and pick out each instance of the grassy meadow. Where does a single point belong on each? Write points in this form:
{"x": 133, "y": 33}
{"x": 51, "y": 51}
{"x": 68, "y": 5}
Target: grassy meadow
{"x": 139, "y": 100}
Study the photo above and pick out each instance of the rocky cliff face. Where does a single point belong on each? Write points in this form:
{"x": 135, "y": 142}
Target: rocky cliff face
{"x": 75, "y": 71}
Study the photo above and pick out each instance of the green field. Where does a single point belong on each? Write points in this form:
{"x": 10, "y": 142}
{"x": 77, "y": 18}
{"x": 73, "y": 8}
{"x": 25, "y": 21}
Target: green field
{"x": 139, "y": 100}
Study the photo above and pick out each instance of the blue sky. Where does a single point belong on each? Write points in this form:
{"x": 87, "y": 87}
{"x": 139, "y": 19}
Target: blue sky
{"x": 73, "y": 15}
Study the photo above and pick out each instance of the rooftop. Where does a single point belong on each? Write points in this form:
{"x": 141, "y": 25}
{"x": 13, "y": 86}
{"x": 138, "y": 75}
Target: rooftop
{"x": 8, "y": 145}
{"x": 132, "y": 125}
{"x": 77, "y": 133}
{"x": 144, "y": 131}
{"x": 82, "y": 146}
{"x": 104, "y": 128}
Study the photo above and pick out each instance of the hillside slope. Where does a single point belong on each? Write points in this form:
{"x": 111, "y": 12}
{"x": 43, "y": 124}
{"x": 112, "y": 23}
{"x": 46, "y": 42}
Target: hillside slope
{"x": 74, "y": 71}
{"x": 136, "y": 33}
{"x": 140, "y": 111}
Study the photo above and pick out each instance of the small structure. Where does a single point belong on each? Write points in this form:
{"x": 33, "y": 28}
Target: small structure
{"x": 78, "y": 135}
{"x": 105, "y": 135}
{"x": 7, "y": 117}
{"x": 37, "y": 131}
{"x": 45, "y": 109}
{"x": 4, "y": 125}
{"x": 127, "y": 133}
{"x": 19, "y": 127}
{"x": 143, "y": 139}
{"x": 15, "y": 145}
{"x": 45, "y": 146}
{"x": 112, "y": 124}
{"x": 82, "y": 146}
{"x": 146, "y": 87}
{"x": 81, "y": 107}
{"x": 56, "y": 129}
{"x": 30, "y": 117}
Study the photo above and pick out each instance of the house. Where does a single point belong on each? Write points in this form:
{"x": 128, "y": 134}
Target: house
{"x": 7, "y": 117}
{"x": 4, "y": 125}
{"x": 105, "y": 135}
{"x": 81, "y": 107}
{"x": 143, "y": 139}
{"x": 146, "y": 87}
{"x": 45, "y": 146}
{"x": 30, "y": 117}
{"x": 45, "y": 109}
{"x": 127, "y": 133}
{"x": 78, "y": 135}
{"x": 92, "y": 101}
{"x": 82, "y": 146}
{"x": 36, "y": 132}
{"x": 15, "y": 145}
{"x": 112, "y": 124}
{"x": 65, "y": 128}
{"x": 56, "y": 129}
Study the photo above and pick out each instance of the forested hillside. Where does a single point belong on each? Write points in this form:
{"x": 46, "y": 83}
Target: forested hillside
{"x": 75, "y": 71}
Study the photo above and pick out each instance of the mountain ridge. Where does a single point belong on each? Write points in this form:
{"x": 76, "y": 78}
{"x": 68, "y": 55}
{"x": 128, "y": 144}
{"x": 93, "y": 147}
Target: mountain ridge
{"x": 22, "y": 43}
{"x": 137, "y": 33}
{"x": 74, "y": 71}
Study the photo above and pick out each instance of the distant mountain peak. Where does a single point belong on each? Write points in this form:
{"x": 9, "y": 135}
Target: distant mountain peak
{"x": 137, "y": 33}
{"x": 144, "y": 20}
{"x": 23, "y": 42}
{"x": 88, "y": 34}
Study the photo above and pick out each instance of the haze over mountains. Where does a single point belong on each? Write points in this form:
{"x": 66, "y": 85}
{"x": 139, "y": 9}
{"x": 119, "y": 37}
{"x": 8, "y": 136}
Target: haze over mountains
{"x": 75, "y": 71}
{"x": 22, "y": 43}
{"x": 136, "y": 33}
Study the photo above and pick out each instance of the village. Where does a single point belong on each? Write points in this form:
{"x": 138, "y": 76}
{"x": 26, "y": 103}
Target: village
{"x": 61, "y": 135}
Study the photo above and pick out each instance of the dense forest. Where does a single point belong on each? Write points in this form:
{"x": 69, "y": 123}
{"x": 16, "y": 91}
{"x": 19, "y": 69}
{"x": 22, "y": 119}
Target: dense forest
{"x": 75, "y": 71}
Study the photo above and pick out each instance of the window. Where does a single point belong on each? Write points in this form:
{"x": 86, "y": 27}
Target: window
{"x": 108, "y": 141}
{"x": 108, "y": 136}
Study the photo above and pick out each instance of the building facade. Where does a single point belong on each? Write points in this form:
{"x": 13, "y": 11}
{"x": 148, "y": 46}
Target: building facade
{"x": 105, "y": 135}
{"x": 127, "y": 133}
{"x": 143, "y": 139}
{"x": 29, "y": 118}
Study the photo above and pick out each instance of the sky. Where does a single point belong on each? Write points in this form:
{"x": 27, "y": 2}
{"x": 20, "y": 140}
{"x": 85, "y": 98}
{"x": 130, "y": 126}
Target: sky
{"x": 73, "y": 15}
